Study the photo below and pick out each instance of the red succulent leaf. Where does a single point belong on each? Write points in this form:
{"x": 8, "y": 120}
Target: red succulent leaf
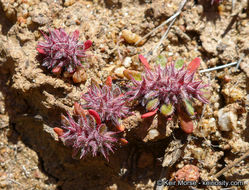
{"x": 57, "y": 70}
{"x": 194, "y": 65}
{"x": 58, "y": 131}
{"x": 186, "y": 123}
{"x": 123, "y": 141}
{"x": 144, "y": 61}
{"x": 88, "y": 44}
{"x": 95, "y": 115}
{"x": 121, "y": 128}
{"x": 121, "y": 95}
{"x": 149, "y": 114}
{"x": 41, "y": 50}
{"x": 108, "y": 81}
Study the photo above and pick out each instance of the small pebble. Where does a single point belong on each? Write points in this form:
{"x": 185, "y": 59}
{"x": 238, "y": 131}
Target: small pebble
{"x": 112, "y": 187}
{"x": 131, "y": 38}
{"x": 80, "y": 75}
{"x": 69, "y": 3}
{"x": 216, "y": 105}
{"x": 127, "y": 62}
{"x": 170, "y": 54}
{"x": 188, "y": 173}
{"x": 227, "y": 120}
{"x": 233, "y": 94}
{"x": 119, "y": 71}
{"x": 198, "y": 153}
{"x": 152, "y": 134}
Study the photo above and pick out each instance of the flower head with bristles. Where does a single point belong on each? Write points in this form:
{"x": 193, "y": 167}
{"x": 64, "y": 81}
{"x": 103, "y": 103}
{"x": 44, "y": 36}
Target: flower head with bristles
{"x": 108, "y": 101}
{"x": 62, "y": 51}
{"x": 87, "y": 135}
{"x": 166, "y": 87}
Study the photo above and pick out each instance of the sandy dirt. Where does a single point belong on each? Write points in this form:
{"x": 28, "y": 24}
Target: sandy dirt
{"x": 32, "y": 98}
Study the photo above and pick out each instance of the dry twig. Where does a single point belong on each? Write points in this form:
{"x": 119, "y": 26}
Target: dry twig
{"x": 161, "y": 25}
{"x": 233, "y": 3}
{"x": 224, "y": 66}
{"x": 167, "y": 31}
{"x": 219, "y": 67}
{"x": 235, "y": 162}
{"x": 172, "y": 18}
{"x": 240, "y": 59}
{"x": 163, "y": 37}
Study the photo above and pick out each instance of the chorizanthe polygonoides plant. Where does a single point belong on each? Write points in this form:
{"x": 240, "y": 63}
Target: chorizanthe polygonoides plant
{"x": 62, "y": 51}
{"x": 167, "y": 87}
{"x": 86, "y": 134}
{"x": 108, "y": 101}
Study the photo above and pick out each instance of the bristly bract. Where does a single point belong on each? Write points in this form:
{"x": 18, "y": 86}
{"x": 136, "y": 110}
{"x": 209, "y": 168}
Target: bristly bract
{"x": 62, "y": 51}
{"x": 108, "y": 101}
{"x": 86, "y": 135}
{"x": 167, "y": 87}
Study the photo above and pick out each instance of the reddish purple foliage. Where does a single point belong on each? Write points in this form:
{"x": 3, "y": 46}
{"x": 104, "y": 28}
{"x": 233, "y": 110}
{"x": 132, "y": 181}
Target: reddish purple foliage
{"x": 167, "y": 85}
{"x": 108, "y": 101}
{"x": 62, "y": 50}
{"x": 86, "y": 136}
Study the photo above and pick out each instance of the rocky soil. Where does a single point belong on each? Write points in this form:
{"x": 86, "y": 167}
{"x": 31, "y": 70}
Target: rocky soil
{"x": 32, "y": 98}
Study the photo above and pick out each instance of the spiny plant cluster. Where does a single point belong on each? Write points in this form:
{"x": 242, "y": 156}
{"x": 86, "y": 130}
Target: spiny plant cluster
{"x": 89, "y": 133}
{"x": 166, "y": 87}
{"x": 169, "y": 88}
{"x": 86, "y": 134}
{"x": 108, "y": 101}
{"x": 62, "y": 51}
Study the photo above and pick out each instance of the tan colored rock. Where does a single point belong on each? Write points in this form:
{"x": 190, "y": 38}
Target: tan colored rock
{"x": 79, "y": 75}
{"x": 199, "y": 153}
{"x": 152, "y": 134}
{"x": 227, "y": 120}
{"x": 68, "y": 3}
{"x": 233, "y": 92}
{"x": 206, "y": 127}
{"x": 119, "y": 71}
{"x": 187, "y": 173}
{"x": 127, "y": 62}
{"x": 131, "y": 37}
{"x": 172, "y": 153}
{"x": 238, "y": 145}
